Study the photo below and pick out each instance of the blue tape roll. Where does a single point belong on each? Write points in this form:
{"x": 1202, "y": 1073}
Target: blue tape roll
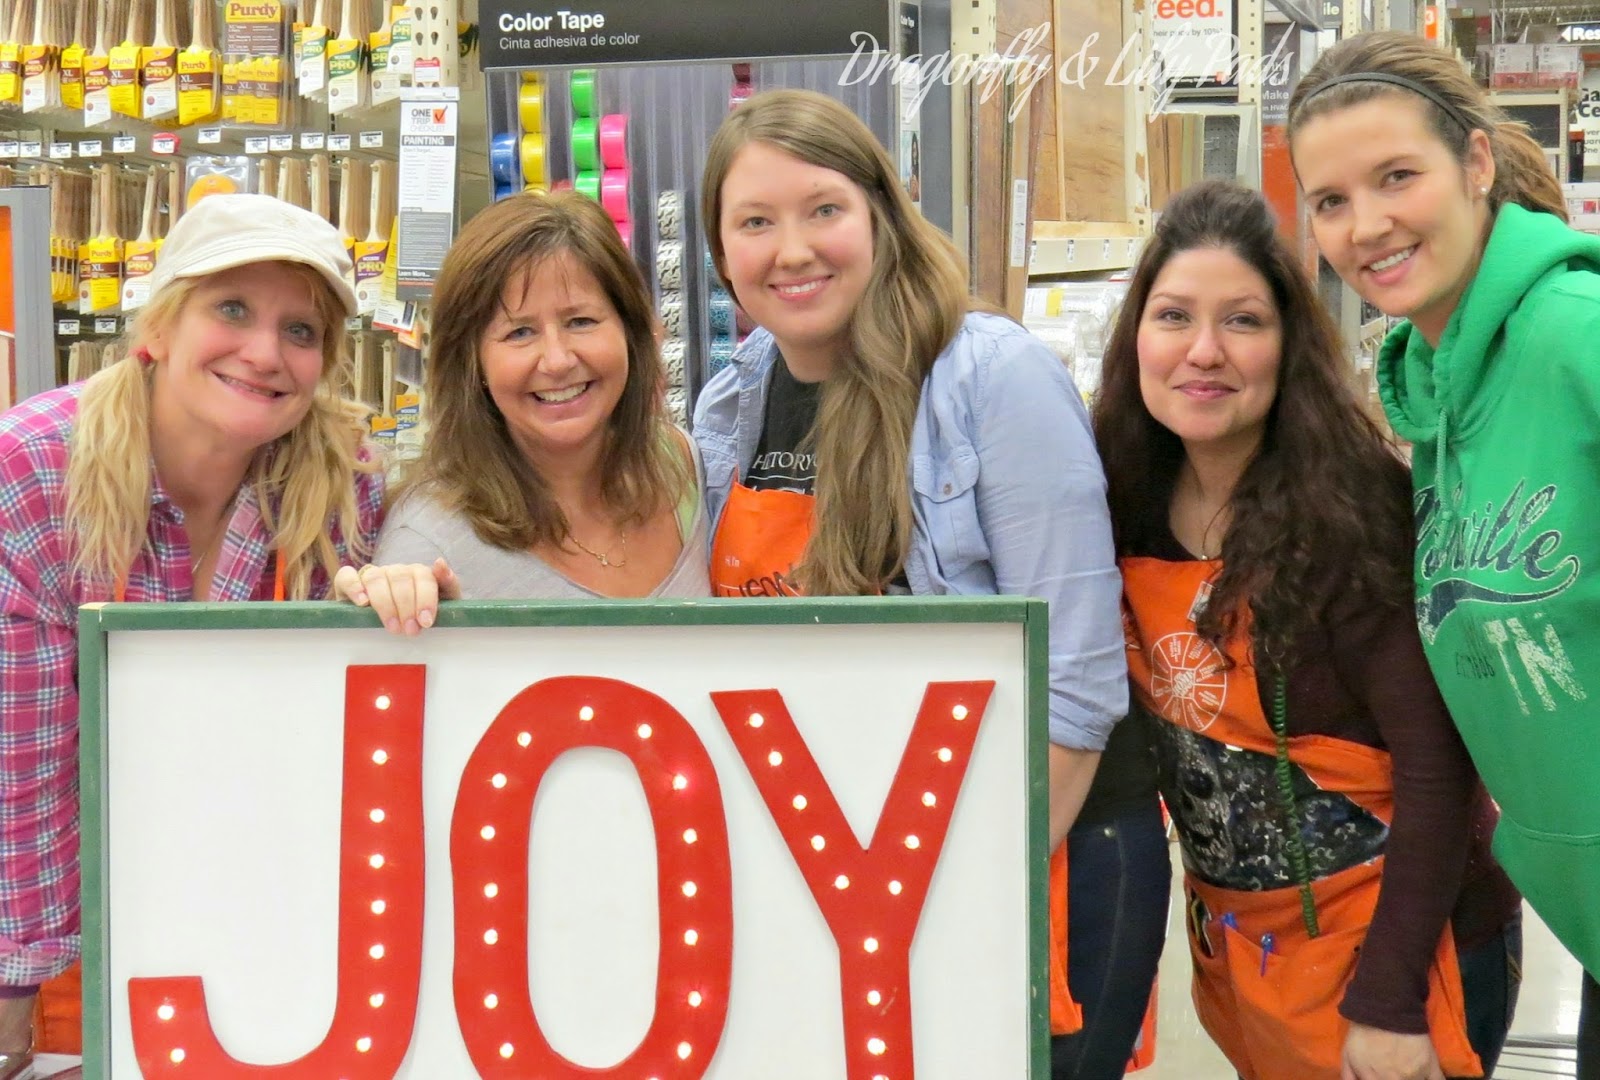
{"x": 504, "y": 191}
{"x": 719, "y": 313}
{"x": 503, "y": 158}
{"x": 721, "y": 356}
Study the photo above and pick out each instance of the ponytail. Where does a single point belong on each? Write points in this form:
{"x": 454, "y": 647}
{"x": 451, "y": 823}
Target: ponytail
{"x": 1521, "y": 173}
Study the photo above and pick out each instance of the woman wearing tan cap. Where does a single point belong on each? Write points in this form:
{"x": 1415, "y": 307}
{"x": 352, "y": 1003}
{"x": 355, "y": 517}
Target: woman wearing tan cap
{"x": 220, "y": 460}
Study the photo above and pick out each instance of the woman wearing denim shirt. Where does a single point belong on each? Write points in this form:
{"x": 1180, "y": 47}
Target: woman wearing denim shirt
{"x": 876, "y": 436}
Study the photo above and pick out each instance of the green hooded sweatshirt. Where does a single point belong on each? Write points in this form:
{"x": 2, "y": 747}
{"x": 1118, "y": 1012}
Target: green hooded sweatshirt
{"x": 1505, "y": 420}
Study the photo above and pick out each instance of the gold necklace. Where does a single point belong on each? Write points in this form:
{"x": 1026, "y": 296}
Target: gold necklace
{"x": 605, "y": 559}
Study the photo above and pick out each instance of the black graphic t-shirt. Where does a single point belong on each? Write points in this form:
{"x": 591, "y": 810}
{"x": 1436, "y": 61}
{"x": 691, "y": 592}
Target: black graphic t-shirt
{"x": 779, "y": 464}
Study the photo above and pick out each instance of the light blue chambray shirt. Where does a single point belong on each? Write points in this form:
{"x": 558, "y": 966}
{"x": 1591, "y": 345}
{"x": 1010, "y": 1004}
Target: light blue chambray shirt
{"x": 1008, "y": 494}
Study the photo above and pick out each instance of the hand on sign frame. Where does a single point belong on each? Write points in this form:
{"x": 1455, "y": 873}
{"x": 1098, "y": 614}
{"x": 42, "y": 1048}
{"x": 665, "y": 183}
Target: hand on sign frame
{"x": 405, "y": 596}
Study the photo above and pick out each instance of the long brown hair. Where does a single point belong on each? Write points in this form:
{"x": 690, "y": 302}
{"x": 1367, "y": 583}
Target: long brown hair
{"x": 1323, "y": 510}
{"x": 1521, "y": 173}
{"x": 469, "y": 461}
{"x": 915, "y": 300}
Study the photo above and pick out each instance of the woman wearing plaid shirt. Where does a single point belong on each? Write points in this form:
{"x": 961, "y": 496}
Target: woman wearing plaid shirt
{"x": 221, "y": 460}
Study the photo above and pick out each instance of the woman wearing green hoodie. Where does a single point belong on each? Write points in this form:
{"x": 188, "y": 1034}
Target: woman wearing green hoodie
{"x": 1433, "y": 208}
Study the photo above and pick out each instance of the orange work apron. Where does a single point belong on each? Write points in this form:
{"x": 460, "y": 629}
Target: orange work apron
{"x": 760, "y": 539}
{"x": 1266, "y": 991}
{"x": 58, "y": 1010}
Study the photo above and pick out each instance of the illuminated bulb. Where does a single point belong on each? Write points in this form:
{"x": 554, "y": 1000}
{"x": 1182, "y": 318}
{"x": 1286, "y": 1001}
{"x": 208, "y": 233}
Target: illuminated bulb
{"x": 959, "y": 712}
{"x": 363, "y": 1044}
{"x": 487, "y": 832}
{"x": 382, "y": 702}
{"x": 945, "y": 754}
{"x": 873, "y": 997}
{"x": 166, "y": 1012}
{"x": 691, "y": 936}
{"x": 644, "y": 731}
{"x": 491, "y": 1001}
{"x": 695, "y": 999}
{"x": 177, "y": 1056}
{"x": 680, "y": 782}
{"x": 690, "y": 836}
{"x": 376, "y": 1001}
{"x": 876, "y": 1045}
{"x": 894, "y": 888}
{"x": 818, "y": 843}
{"x": 377, "y": 817}
{"x": 586, "y": 713}
{"x": 498, "y": 779}
{"x": 376, "y": 862}
{"x": 800, "y": 802}
{"x": 756, "y": 719}
{"x": 491, "y": 936}
{"x": 506, "y": 1050}
{"x": 774, "y": 759}
{"x": 379, "y": 757}
{"x": 689, "y": 889}
{"x": 379, "y": 907}
{"x": 928, "y": 798}
{"x": 841, "y": 882}
{"x": 524, "y": 739}
{"x": 491, "y": 890}
{"x": 684, "y": 1050}
{"x": 871, "y": 944}
{"x": 913, "y": 843}
{"x": 376, "y": 952}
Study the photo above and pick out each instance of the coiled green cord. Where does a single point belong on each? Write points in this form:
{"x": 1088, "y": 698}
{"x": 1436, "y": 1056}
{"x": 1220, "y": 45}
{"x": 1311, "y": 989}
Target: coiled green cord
{"x": 1297, "y": 845}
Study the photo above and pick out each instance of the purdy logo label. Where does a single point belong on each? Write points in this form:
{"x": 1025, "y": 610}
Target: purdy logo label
{"x": 1495, "y": 556}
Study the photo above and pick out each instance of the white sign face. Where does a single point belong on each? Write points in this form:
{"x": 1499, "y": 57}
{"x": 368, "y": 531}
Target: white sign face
{"x": 722, "y": 883}
{"x": 1194, "y": 38}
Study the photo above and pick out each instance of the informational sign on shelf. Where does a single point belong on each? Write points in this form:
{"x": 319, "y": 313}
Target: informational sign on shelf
{"x": 537, "y": 33}
{"x": 1194, "y": 39}
{"x": 621, "y": 845}
{"x": 427, "y": 204}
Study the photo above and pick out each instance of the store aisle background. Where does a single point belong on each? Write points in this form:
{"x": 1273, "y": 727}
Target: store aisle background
{"x": 1548, "y": 1007}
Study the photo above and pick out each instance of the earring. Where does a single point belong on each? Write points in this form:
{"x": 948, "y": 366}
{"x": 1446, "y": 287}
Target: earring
{"x": 1483, "y": 191}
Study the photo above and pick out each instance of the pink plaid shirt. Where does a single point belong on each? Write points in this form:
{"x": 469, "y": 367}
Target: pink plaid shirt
{"x": 39, "y": 599}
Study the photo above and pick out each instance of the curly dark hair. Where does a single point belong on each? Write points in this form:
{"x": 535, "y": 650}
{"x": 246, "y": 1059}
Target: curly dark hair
{"x": 1323, "y": 510}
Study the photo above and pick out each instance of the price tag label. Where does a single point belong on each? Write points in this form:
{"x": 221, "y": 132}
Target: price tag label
{"x": 1105, "y": 249}
{"x": 60, "y": 150}
{"x": 281, "y": 143}
{"x": 124, "y": 144}
{"x": 209, "y": 136}
{"x": 371, "y": 140}
{"x": 1071, "y": 245}
{"x": 105, "y": 324}
{"x": 354, "y": 325}
{"x": 68, "y": 327}
{"x": 8, "y": 149}
{"x": 90, "y": 148}
{"x": 312, "y": 140}
{"x": 339, "y": 143}
{"x": 31, "y": 150}
{"x": 256, "y": 145}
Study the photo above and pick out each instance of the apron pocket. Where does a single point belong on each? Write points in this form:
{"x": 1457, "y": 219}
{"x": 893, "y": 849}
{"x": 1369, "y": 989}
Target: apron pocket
{"x": 1289, "y": 1002}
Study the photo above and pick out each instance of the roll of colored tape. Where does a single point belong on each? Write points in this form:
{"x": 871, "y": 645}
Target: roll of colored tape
{"x": 614, "y": 193}
{"x": 562, "y": 185}
{"x": 669, "y": 265}
{"x": 719, "y": 313}
{"x": 504, "y": 191}
{"x": 741, "y": 92}
{"x": 673, "y": 352}
{"x": 530, "y": 106}
{"x": 583, "y": 93}
{"x": 533, "y": 160}
{"x": 672, "y": 311}
{"x": 533, "y": 77}
{"x": 585, "y": 145}
{"x": 625, "y": 230}
{"x": 741, "y": 73}
{"x": 721, "y": 355}
{"x": 709, "y": 268}
{"x": 669, "y": 215}
{"x": 503, "y": 158}
{"x": 588, "y": 183}
{"x": 678, "y": 407}
{"x": 614, "y": 140}
{"x": 536, "y": 189}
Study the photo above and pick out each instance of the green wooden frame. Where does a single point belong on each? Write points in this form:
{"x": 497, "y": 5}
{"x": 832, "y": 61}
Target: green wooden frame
{"x": 97, "y": 621}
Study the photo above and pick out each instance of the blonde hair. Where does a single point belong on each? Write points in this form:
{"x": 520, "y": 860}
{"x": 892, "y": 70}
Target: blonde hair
{"x": 303, "y": 484}
{"x": 469, "y": 461}
{"x": 1521, "y": 175}
{"x": 915, "y": 301}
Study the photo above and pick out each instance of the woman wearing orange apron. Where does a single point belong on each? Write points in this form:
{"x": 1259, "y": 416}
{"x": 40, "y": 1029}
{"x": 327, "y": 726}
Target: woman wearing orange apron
{"x": 1344, "y": 916}
{"x": 217, "y": 461}
{"x": 875, "y": 436}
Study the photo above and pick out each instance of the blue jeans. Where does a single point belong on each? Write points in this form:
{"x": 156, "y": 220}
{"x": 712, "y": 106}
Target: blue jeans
{"x": 1491, "y": 977}
{"x": 1119, "y": 877}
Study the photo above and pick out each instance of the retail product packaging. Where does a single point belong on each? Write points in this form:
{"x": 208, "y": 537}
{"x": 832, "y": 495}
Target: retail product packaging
{"x": 198, "y": 99}
{"x": 72, "y": 57}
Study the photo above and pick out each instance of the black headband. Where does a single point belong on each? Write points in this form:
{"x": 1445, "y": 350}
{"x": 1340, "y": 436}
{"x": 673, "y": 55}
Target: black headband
{"x": 1448, "y": 109}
